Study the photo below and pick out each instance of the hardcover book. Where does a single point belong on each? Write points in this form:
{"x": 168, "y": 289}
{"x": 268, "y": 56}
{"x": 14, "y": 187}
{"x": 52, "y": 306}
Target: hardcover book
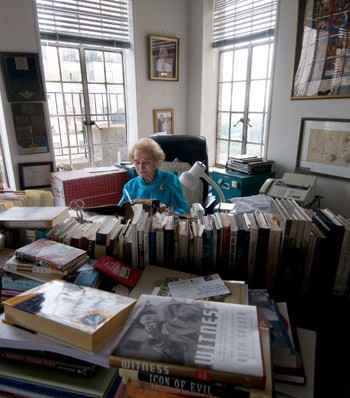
{"x": 26, "y": 381}
{"x": 80, "y": 316}
{"x": 48, "y": 360}
{"x": 33, "y": 217}
{"x": 118, "y": 270}
{"x": 207, "y": 388}
{"x": 192, "y": 338}
{"x": 48, "y": 253}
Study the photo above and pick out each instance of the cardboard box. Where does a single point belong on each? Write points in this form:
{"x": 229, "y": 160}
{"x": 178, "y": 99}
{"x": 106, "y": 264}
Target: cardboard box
{"x": 94, "y": 189}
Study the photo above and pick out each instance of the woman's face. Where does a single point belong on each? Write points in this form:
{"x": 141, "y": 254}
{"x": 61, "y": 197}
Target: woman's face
{"x": 145, "y": 165}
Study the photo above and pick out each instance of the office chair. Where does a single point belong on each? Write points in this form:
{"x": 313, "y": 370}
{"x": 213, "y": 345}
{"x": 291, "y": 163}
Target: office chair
{"x": 181, "y": 152}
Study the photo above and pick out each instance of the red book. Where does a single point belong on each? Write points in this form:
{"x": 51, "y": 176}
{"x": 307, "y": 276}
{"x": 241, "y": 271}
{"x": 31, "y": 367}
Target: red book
{"x": 118, "y": 270}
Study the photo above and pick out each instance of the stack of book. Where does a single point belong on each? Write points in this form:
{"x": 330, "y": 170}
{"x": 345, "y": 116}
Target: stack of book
{"x": 38, "y": 262}
{"x": 248, "y": 164}
{"x": 287, "y": 362}
{"x": 185, "y": 346}
{"x": 80, "y": 325}
{"x": 24, "y": 223}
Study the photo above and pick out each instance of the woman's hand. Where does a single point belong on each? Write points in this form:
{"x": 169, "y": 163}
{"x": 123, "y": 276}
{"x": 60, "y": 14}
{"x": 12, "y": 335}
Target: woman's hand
{"x": 162, "y": 208}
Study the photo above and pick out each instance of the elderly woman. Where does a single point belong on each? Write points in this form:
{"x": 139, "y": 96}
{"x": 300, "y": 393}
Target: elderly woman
{"x": 151, "y": 182}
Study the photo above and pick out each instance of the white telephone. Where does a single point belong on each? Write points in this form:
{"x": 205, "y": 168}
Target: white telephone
{"x": 300, "y": 187}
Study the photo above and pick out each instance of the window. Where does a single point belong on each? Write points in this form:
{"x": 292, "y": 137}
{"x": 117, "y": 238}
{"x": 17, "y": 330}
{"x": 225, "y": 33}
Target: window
{"x": 243, "y": 30}
{"x": 83, "y": 51}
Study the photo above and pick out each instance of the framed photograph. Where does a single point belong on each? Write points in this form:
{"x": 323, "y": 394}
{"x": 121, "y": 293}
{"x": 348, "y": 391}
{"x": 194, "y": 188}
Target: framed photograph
{"x": 22, "y": 76}
{"x": 35, "y": 175}
{"x": 324, "y": 147}
{"x": 322, "y": 58}
{"x": 30, "y": 128}
{"x": 163, "y": 121}
{"x": 163, "y": 58}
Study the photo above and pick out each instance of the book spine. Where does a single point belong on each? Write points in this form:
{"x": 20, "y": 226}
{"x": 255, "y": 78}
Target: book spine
{"x": 341, "y": 287}
{"x": 283, "y": 328}
{"x": 224, "y": 390}
{"x": 37, "y": 261}
{"x": 43, "y": 361}
{"x": 176, "y": 370}
{"x": 25, "y": 224}
{"x": 10, "y": 292}
{"x": 35, "y": 268}
{"x": 21, "y": 284}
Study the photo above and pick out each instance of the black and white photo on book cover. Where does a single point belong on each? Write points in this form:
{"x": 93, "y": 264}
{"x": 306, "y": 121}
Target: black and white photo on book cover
{"x": 199, "y": 334}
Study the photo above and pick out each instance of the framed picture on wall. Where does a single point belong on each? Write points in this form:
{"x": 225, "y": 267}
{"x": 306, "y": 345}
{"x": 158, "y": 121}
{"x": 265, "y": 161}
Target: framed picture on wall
{"x": 163, "y": 58}
{"x": 324, "y": 147}
{"x": 322, "y": 58}
{"x": 163, "y": 121}
{"x": 30, "y": 128}
{"x": 35, "y": 175}
{"x": 22, "y": 77}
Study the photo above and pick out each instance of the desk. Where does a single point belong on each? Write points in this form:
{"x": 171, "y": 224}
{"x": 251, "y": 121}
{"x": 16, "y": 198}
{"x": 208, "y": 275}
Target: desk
{"x": 234, "y": 185}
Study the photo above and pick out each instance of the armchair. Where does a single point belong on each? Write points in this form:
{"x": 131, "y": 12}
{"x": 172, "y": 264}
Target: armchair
{"x": 181, "y": 152}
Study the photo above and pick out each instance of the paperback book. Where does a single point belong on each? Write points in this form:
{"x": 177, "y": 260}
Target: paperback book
{"x": 33, "y": 217}
{"x": 80, "y": 316}
{"x": 192, "y": 338}
{"x": 48, "y": 253}
{"x": 118, "y": 270}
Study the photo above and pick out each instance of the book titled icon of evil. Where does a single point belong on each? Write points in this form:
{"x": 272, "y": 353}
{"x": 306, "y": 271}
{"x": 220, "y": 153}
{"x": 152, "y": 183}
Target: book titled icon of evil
{"x": 193, "y": 338}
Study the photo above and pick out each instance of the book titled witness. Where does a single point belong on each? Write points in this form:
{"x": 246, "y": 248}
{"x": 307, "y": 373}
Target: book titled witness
{"x": 205, "y": 340}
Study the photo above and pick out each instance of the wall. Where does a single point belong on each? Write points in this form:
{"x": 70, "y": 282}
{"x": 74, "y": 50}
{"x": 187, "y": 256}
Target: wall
{"x": 164, "y": 18}
{"x": 17, "y": 34}
{"x": 286, "y": 114}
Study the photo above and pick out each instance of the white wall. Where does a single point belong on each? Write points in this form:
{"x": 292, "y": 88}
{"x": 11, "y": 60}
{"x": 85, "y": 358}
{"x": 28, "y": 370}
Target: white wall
{"x": 286, "y": 114}
{"x": 164, "y": 18}
{"x": 18, "y": 33}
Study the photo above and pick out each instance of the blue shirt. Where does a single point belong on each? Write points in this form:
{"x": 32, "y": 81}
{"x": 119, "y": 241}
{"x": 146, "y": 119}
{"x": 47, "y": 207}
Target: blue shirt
{"x": 166, "y": 187}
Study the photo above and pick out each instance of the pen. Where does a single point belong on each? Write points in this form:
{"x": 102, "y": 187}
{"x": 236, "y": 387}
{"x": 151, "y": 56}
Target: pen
{"x": 127, "y": 194}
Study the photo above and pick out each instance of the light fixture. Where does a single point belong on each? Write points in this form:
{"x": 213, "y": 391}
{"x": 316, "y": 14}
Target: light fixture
{"x": 190, "y": 179}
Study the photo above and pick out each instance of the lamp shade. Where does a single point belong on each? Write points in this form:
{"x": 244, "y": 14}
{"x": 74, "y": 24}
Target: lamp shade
{"x": 190, "y": 179}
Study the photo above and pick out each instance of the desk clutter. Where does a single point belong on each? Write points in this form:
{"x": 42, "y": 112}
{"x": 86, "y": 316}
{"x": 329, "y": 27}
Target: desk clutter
{"x": 121, "y": 261}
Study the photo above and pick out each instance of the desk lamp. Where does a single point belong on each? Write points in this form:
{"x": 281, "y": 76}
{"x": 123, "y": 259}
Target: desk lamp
{"x": 190, "y": 179}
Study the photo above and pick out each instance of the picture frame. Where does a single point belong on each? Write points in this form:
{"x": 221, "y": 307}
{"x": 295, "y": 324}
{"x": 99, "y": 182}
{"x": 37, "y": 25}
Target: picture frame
{"x": 322, "y": 54}
{"x": 163, "y": 121}
{"x": 22, "y": 77}
{"x": 35, "y": 175}
{"x": 30, "y": 127}
{"x": 163, "y": 58}
{"x": 324, "y": 147}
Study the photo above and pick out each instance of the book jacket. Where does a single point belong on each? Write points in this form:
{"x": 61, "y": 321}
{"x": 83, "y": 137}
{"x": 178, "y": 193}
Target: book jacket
{"x": 206, "y": 340}
{"x": 48, "y": 253}
{"x": 80, "y": 316}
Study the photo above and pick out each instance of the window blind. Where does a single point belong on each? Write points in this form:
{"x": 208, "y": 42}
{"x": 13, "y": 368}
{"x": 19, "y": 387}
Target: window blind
{"x": 237, "y": 21}
{"x": 103, "y": 22}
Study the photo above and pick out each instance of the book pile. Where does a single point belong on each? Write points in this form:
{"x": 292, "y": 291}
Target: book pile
{"x": 38, "y": 262}
{"x": 248, "y": 164}
{"x": 68, "y": 331}
{"x": 183, "y": 346}
{"x": 22, "y": 223}
{"x": 287, "y": 362}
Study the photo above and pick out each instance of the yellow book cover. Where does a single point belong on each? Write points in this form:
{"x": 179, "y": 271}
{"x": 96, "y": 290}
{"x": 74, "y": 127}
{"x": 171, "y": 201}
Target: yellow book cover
{"x": 79, "y": 316}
